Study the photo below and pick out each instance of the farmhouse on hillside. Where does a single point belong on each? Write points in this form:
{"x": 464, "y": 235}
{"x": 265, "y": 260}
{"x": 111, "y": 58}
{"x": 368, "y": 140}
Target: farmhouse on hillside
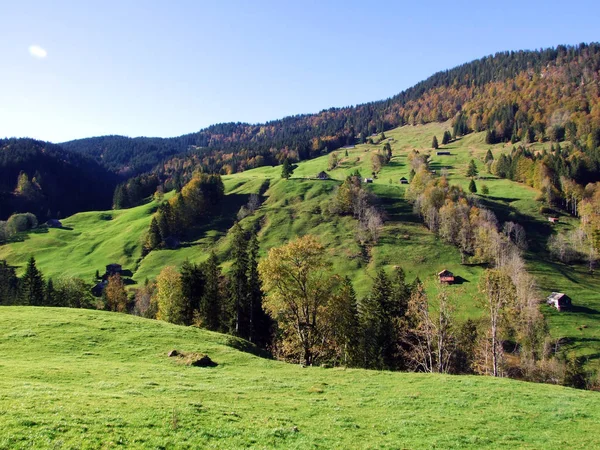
{"x": 368, "y": 180}
{"x": 112, "y": 269}
{"x": 442, "y": 152}
{"x": 54, "y": 223}
{"x": 322, "y": 176}
{"x": 403, "y": 180}
{"x": 559, "y": 301}
{"x": 446, "y": 276}
{"x": 553, "y": 219}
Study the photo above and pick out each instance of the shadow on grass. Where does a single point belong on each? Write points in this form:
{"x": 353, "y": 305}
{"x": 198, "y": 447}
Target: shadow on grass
{"x": 460, "y": 280}
{"x": 582, "y": 310}
{"x": 247, "y": 347}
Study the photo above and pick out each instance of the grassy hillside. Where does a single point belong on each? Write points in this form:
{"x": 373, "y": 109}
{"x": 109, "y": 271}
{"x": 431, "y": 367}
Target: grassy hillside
{"x": 87, "y": 379}
{"x": 299, "y": 206}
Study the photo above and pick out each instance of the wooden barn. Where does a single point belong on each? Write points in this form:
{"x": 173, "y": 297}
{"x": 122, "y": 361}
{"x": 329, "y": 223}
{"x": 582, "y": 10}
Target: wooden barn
{"x": 112, "y": 269}
{"x": 322, "y": 176}
{"x": 54, "y": 223}
{"x": 553, "y": 219}
{"x": 559, "y": 301}
{"x": 446, "y": 276}
{"x": 443, "y": 153}
{"x": 403, "y": 180}
{"x": 368, "y": 180}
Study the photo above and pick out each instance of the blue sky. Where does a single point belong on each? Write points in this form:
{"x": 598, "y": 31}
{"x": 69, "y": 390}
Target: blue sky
{"x": 168, "y": 68}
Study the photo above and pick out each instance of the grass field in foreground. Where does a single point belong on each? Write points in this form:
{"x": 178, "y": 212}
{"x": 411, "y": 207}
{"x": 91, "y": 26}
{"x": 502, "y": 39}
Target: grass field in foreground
{"x": 89, "y": 379}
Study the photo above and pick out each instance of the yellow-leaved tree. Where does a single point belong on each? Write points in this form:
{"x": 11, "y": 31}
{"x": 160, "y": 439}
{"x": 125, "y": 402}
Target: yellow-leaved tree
{"x": 299, "y": 290}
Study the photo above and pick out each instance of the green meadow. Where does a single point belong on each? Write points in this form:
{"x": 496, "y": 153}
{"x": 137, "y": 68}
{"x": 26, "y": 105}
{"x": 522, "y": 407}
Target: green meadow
{"x": 82, "y": 379}
{"x": 299, "y": 206}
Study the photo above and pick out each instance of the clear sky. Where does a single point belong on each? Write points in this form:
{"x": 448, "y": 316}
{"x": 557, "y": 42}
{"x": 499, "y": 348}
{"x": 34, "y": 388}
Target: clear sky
{"x": 72, "y": 69}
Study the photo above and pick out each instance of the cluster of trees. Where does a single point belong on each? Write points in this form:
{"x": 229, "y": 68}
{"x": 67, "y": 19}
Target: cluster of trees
{"x": 352, "y": 199}
{"x": 199, "y": 294}
{"x": 381, "y": 158}
{"x": 134, "y": 191}
{"x": 199, "y": 200}
{"x": 397, "y": 326}
{"x": 16, "y": 224}
{"x": 33, "y": 290}
{"x": 41, "y": 178}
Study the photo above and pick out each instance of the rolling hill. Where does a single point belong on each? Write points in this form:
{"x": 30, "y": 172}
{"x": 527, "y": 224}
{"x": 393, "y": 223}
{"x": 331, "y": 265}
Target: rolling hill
{"x": 299, "y": 206}
{"x": 89, "y": 379}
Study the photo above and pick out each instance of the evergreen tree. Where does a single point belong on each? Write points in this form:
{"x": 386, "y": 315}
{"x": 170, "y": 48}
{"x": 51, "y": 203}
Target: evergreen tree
{"x": 446, "y": 138}
{"x": 32, "y": 285}
{"x": 434, "y": 143}
{"x": 472, "y": 169}
{"x": 489, "y": 156}
{"x": 472, "y": 186}
{"x": 164, "y": 219}
{"x": 344, "y": 322}
{"x": 378, "y": 343}
{"x": 485, "y": 190}
{"x": 9, "y": 284}
{"x": 260, "y": 322}
{"x": 239, "y": 282}
{"x": 287, "y": 169}
{"x": 50, "y": 294}
{"x": 154, "y": 239}
{"x": 211, "y": 304}
{"x": 192, "y": 288}
{"x": 400, "y": 293}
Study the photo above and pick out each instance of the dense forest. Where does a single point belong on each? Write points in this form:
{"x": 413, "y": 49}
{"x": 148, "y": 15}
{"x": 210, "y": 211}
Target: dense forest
{"x": 44, "y": 179}
{"x": 519, "y": 96}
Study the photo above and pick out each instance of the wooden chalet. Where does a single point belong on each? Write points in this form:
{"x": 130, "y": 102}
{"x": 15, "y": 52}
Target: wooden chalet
{"x": 54, "y": 223}
{"x": 445, "y": 276}
{"x": 112, "y": 269}
{"x": 322, "y": 176}
{"x": 403, "y": 180}
{"x": 559, "y": 301}
{"x": 368, "y": 180}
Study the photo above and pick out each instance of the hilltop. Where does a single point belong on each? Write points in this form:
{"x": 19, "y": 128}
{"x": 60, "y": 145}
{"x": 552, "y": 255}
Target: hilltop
{"x": 90, "y": 379}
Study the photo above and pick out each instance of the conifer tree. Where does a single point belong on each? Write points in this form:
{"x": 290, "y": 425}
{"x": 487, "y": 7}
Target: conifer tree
{"x": 287, "y": 169}
{"x": 446, "y": 138}
{"x": 472, "y": 169}
{"x": 343, "y": 311}
{"x": 434, "y": 143}
{"x": 488, "y": 156}
{"x": 50, "y": 294}
{"x": 211, "y": 304}
{"x": 377, "y": 325}
{"x": 239, "y": 282}
{"x": 260, "y": 322}
{"x": 192, "y": 287}
{"x": 472, "y": 186}
{"x": 32, "y": 285}
{"x": 154, "y": 240}
{"x": 9, "y": 284}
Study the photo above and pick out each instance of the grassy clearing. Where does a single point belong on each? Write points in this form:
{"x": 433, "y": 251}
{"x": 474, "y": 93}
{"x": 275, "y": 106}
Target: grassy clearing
{"x": 299, "y": 206}
{"x": 89, "y": 379}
